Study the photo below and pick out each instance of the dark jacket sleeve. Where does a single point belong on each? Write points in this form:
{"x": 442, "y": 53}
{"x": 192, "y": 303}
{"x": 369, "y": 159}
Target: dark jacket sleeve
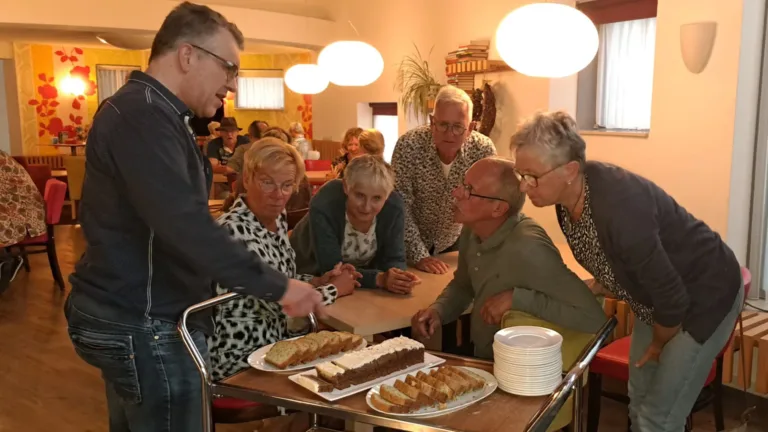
{"x": 212, "y": 152}
{"x": 627, "y": 208}
{"x": 325, "y": 237}
{"x": 391, "y": 253}
{"x": 152, "y": 162}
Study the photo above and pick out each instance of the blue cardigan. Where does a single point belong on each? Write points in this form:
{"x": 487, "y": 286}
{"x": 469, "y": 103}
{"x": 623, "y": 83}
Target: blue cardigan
{"x": 317, "y": 238}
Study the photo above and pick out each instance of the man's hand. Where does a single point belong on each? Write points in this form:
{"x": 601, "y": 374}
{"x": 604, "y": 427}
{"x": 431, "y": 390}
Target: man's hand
{"x": 397, "y": 281}
{"x": 496, "y": 306}
{"x": 432, "y": 265}
{"x": 651, "y": 354}
{"x": 300, "y": 299}
{"x": 425, "y": 322}
{"x": 598, "y": 289}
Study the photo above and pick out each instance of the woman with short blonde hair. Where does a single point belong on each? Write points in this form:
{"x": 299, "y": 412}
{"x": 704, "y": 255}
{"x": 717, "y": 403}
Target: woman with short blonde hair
{"x": 372, "y": 142}
{"x": 359, "y": 220}
{"x": 257, "y": 218}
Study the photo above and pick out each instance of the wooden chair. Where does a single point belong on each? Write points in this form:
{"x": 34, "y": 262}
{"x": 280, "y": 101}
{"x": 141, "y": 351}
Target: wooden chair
{"x": 75, "y": 166}
{"x": 613, "y": 361}
{"x": 329, "y": 150}
{"x": 55, "y": 191}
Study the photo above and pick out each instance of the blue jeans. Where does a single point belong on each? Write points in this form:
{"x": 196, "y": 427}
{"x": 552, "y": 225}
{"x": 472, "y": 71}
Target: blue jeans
{"x": 151, "y": 381}
{"x": 662, "y": 394}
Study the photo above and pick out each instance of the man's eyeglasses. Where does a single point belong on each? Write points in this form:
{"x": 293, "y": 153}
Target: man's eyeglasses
{"x": 532, "y": 180}
{"x": 232, "y": 69}
{"x": 268, "y": 186}
{"x": 455, "y": 128}
{"x": 466, "y": 193}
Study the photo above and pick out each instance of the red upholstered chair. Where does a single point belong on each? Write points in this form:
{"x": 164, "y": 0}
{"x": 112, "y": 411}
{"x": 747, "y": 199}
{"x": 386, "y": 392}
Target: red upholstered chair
{"x": 613, "y": 361}
{"x": 40, "y": 174}
{"x": 317, "y": 165}
{"x": 55, "y": 192}
{"x": 228, "y": 410}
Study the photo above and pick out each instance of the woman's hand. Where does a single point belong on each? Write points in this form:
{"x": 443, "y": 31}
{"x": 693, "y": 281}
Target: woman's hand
{"x": 337, "y": 270}
{"x": 345, "y": 283}
{"x": 397, "y": 281}
{"x": 432, "y": 265}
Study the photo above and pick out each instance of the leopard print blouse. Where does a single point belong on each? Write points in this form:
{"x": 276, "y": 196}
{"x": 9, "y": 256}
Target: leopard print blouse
{"x": 420, "y": 179}
{"x": 583, "y": 240}
{"x": 246, "y": 324}
{"x": 22, "y": 211}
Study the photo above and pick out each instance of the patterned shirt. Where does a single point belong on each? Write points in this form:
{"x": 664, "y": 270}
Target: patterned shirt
{"x": 583, "y": 240}
{"x": 358, "y": 248}
{"x": 22, "y": 211}
{"x": 247, "y": 323}
{"x": 419, "y": 177}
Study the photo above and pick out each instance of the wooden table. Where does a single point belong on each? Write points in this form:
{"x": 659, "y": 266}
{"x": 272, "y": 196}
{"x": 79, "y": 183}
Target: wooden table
{"x": 58, "y": 173}
{"x": 372, "y": 311}
{"x": 72, "y": 147}
{"x": 499, "y": 412}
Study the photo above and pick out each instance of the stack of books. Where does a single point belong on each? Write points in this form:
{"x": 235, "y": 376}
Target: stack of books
{"x": 466, "y": 60}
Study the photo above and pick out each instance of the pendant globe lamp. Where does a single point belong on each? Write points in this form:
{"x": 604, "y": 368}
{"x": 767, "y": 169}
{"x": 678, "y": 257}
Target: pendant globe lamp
{"x": 547, "y": 40}
{"x": 351, "y": 63}
{"x": 306, "y": 79}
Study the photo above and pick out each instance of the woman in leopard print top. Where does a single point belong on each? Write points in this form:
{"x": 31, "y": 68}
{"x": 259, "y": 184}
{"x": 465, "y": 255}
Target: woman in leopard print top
{"x": 258, "y": 220}
{"x": 679, "y": 278}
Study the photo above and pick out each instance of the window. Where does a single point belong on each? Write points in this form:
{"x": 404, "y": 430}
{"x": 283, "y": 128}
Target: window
{"x": 109, "y": 79}
{"x": 384, "y": 119}
{"x": 615, "y": 90}
{"x": 261, "y": 89}
{"x": 625, "y": 74}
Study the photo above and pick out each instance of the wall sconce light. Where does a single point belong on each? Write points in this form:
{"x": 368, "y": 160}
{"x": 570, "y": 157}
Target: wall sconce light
{"x": 73, "y": 86}
{"x": 696, "y": 43}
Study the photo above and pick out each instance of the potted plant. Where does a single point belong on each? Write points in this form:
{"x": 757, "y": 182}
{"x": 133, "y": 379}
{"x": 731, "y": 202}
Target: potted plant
{"x": 417, "y": 85}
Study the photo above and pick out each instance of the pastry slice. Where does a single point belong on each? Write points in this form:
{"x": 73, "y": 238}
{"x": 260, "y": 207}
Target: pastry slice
{"x": 314, "y": 384}
{"x": 458, "y": 387}
{"x": 438, "y": 385}
{"x": 427, "y": 389}
{"x": 471, "y": 385}
{"x": 412, "y": 392}
{"x": 395, "y": 396}
{"x": 314, "y": 348}
{"x": 322, "y": 343}
{"x": 346, "y": 340}
{"x": 357, "y": 340}
{"x": 477, "y": 381}
{"x": 381, "y": 404}
{"x": 333, "y": 342}
{"x": 304, "y": 348}
{"x": 283, "y": 354}
{"x": 333, "y": 374}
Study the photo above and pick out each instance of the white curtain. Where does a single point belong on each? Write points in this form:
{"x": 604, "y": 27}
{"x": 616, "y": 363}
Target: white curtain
{"x": 625, "y": 74}
{"x": 110, "y": 79}
{"x": 387, "y": 125}
{"x": 260, "y": 93}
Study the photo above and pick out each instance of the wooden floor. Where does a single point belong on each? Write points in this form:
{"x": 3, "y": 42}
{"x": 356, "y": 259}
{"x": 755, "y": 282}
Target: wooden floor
{"x": 45, "y": 387}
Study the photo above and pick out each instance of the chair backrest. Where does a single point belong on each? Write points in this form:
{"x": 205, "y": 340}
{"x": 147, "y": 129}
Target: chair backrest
{"x": 317, "y": 165}
{"x": 295, "y": 216}
{"x": 55, "y": 192}
{"x": 329, "y": 150}
{"x": 40, "y": 174}
{"x": 75, "y": 166}
{"x": 56, "y": 162}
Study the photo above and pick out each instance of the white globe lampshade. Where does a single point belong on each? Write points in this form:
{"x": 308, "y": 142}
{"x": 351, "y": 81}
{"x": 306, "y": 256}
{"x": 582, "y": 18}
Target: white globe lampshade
{"x": 351, "y": 63}
{"x": 547, "y": 40}
{"x": 306, "y": 79}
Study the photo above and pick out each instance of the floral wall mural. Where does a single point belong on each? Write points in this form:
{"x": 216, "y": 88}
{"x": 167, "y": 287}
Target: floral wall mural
{"x": 47, "y": 107}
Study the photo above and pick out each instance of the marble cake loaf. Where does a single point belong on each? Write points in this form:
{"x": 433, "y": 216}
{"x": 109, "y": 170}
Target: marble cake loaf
{"x": 372, "y": 362}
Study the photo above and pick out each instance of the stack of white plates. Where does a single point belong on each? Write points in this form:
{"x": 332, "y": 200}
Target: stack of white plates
{"x": 528, "y": 360}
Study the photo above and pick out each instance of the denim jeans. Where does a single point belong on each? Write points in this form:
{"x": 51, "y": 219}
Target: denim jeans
{"x": 662, "y": 394}
{"x": 151, "y": 381}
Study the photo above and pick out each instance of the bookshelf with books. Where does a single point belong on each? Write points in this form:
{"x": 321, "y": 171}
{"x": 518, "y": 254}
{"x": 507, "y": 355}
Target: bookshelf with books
{"x": 464, "y": 63}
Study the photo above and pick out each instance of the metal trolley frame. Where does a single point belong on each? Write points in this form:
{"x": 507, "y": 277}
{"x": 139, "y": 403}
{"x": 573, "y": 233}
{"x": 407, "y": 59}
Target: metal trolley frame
{"x": 571, "y": 383}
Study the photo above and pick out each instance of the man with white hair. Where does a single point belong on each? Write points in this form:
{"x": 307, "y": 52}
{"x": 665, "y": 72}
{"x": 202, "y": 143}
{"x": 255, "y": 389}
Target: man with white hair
{"x": 506, "y": 261}
{"x": 429, "y": 162}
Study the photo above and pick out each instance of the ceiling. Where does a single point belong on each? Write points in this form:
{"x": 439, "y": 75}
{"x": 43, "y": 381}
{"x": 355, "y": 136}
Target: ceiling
{"x": 87, "y": 39}
{"x": 306, "y": 8}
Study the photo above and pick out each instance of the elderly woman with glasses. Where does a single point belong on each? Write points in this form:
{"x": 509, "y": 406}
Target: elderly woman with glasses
{"x": 677, "y": 275}
{"x": 257, "y": 219}
{"x": 358, "y": 221}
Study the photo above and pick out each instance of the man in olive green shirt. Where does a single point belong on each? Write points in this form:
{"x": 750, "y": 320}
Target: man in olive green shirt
{"x": 506, "y": 261}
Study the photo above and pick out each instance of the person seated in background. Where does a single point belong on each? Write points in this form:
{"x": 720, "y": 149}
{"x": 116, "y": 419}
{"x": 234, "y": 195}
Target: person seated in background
{"x": 358, "y": 221}
{"x": 254, "y": 133}
{"x": 257, "y": 219}
{"x": 22, "y": 214}
{"x": 370, "y": 141}
{"x": 221, "y": 149}
{"x": 430, "y": 161}
{"x": 506, "y": 261}
{"x": 350, "y": 146}
{"x": 299, "y": 141}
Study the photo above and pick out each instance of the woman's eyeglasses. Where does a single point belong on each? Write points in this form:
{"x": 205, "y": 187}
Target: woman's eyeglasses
{"x": 232, "y": 69}
{"x": 530, "y": 179}
{"x": 268, "y": 186}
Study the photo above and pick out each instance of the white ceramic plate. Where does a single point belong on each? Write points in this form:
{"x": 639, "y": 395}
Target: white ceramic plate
{"x": 542, "y": 391}
{"x": 459, "y": 403}
{"x": 525, "y": 371}
{"x": 429, "y": 361}
{"x": 528, "y": 338}
{"x": 256, "y": 359}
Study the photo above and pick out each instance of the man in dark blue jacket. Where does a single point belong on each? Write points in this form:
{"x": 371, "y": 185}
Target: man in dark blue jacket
{"x": 153, "y": 248}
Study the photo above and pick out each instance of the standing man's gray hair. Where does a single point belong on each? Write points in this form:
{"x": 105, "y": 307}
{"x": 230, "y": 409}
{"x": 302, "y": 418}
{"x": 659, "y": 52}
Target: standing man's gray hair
{"x": 189, "y": 22}
{"x": 453, "y": 95}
